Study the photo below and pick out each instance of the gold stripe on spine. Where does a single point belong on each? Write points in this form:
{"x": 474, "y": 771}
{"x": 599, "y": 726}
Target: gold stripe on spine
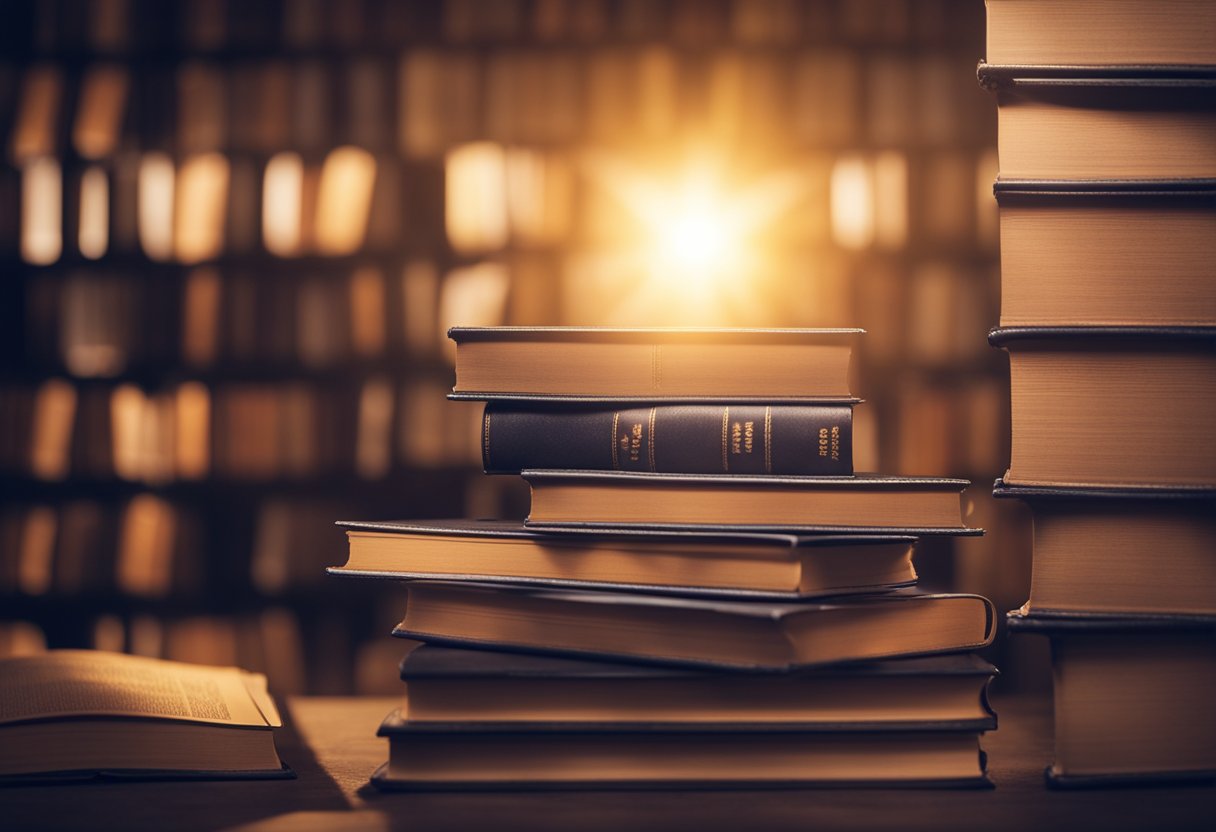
{"x": 768, "y": 440}
{"x": 650, "y": 440}
{"x": 616, "y": 419}
{"x": 725, "y": 436}
{"x": 485, "y": 438}
{"x": 656, "y": 366}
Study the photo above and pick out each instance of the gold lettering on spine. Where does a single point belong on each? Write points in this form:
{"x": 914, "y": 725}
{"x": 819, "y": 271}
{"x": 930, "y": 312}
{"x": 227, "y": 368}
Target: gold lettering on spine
{"x": 616, "y": 418}
{"x": 650, "y": 445}
{"x": 725, "y": 434}
{"x": 485, "y": 439}
{"x": 768, "y": 440}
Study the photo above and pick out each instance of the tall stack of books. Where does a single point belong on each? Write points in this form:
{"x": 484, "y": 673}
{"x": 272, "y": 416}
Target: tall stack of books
{"x": 703, "y": 594}
{"x": 1107, "y": 193}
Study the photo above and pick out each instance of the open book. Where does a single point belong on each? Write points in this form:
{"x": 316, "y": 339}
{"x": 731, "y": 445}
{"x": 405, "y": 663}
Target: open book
{"x": 79, "y": 714}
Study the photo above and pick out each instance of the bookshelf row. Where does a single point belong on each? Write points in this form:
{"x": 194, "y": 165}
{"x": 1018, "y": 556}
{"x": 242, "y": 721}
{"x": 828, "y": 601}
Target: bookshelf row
{"x": 425, "y": 101}
{"x": 483, "y": 198}
{"x": 150, "y": 27}
{"x": 239, "y": 432}
{"x": 391, "y": 318}
{"x": 325, "y": 651}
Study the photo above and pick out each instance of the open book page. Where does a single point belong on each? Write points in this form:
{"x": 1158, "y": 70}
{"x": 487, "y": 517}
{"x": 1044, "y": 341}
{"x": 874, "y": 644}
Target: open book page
{"x": 67, "y": 683}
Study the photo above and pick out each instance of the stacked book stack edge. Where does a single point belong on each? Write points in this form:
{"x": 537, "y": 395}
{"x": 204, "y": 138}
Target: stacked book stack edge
{"x": 703, "y": 595}
{"x": 1107, "y": 195}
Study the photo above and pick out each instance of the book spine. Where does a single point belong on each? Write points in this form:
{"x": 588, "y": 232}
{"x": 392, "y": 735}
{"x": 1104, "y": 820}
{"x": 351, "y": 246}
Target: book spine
{"x": 671, "y": 439}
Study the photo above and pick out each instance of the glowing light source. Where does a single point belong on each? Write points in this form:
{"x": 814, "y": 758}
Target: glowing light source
{"x": 698, "y": 259}
{"x": 41, "y": 211}
{"x": 852, "y": 203}
{"x": 156, "y": 195}
{"x": 282, "y": 191}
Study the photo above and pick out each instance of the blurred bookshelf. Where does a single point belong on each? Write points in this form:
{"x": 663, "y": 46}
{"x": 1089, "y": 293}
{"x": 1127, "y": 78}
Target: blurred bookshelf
{"x": 234, "y": 235}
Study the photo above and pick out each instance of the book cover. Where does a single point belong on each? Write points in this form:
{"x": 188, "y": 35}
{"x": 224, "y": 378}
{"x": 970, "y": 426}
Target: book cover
{"x": 690, "y": 563}
{"x": 677, "y": 439}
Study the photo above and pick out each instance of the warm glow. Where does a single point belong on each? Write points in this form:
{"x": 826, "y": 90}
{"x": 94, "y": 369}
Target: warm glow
{"x": 475, "y": 204}
{"x": 202, "y": 196}
{"x": 852, "y": 203}
{"x": 473, "y": 296}
{"x": 697, "y": 241}
{"x": 94, "y": 236}
{"x": 699, "y": 260}
{"x": 156, "y": 181}
{"x": 344, "y": 200}
{"x": 41, "y": 212}
{"x": 282, "y": 191}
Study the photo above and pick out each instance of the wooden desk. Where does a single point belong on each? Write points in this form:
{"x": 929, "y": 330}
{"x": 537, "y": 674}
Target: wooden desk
{"x": 332, "y": 745}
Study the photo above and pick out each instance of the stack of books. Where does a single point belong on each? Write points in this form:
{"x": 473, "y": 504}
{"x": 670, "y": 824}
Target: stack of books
{"x": 1107, "y": 193}
{"x": 703, "y": 594}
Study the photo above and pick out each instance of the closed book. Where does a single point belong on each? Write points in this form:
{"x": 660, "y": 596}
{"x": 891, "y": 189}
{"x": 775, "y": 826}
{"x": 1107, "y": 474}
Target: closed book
{"x": 495, "y": 690}
{"x": 727, "y": 564}
{"x": 1110, "y": 123}
{"x": 1132, "y": 697}
{"x": 1090, "y": 545}
{"x": 662, "y": 364}
{"x": 459, "y": 757}
{"x": 1101, "y": 32}
{"x": 77, "y": 715}
{"x": 670, "y": 439}
{"x": 1118, "y": 407}
{"x": 590, "y": 500}
{"x": 754, "y": 634}
{"x": 1107, "y": 253}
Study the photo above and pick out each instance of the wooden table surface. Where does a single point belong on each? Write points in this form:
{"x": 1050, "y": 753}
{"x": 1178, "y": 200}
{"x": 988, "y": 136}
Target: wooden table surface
{"x": 331, "y": 744}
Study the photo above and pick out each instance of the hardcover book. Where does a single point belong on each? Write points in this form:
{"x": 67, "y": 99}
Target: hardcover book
{"x": 88, "y": 714}
{"x": 670, "y": 439}
{"x": 1107, "y": 253}
{"x": 453, "y": 757}
{"x": 1090, "y": 545}
{"x": 1132, "y": 697}
{"x": 604, "y": 364}
{"x": 1120, "y": 407}
{"x": 588, "y": 500}
{"x": 738, "y": 564}
{"x": 1112, "y": 123}
{"x": 756, "y": 635}
{"x": 486, "y": 689}
{"x": 1101, "y": 32}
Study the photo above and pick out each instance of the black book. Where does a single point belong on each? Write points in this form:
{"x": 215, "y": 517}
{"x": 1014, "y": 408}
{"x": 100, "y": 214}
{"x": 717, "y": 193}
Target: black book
{"x": 1132, "y": 697}
{"x": 670, "y": 439}
{"x": 455, "y": 689}
{"x": 777, "y": 566}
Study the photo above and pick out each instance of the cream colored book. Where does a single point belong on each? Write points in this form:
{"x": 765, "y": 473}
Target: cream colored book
{"x": 84, "y": 714}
